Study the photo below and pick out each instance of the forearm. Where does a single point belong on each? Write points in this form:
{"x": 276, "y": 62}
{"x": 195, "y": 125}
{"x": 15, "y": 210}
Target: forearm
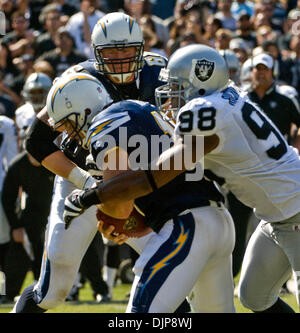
{"x": 134, "y": 184}
{"x": 59, "y": 164}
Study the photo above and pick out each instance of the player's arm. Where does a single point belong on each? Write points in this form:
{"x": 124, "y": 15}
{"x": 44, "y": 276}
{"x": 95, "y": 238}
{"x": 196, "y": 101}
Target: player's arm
{"x": 40, "y": 144}
{"x": 133, "y": 184}
{"x": 114, "y": 159}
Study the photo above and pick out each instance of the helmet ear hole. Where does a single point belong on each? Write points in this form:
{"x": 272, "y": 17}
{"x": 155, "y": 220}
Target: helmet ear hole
{"x": 201, "y": 92}
{"x": 88, "y": 111}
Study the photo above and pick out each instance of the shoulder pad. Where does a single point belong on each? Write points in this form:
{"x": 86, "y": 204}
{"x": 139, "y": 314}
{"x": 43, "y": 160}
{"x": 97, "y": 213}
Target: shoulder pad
{"x": 74, "y": 69}
{"x": 155, "y": 59}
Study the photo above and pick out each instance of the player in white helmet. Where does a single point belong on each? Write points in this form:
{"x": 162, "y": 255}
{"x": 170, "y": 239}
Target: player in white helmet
{"x": 233, "y": 64}
{"x": 241, "y": 145}
{"x": 35, "y": 91}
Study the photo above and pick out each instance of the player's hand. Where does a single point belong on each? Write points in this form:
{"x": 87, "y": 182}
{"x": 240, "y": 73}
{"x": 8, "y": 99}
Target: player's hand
{"x": 73, "y": 207}
{"x": 108, "y": 232}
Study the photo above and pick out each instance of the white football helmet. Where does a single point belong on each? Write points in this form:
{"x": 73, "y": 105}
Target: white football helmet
{"x": 245, "y": 75}
{"x": 233, "y": 64}
{"x": 118, "y": 30}
{"x": 35, "y": 90}
{"x": 73, "y": 101}
{"x": 194, "y": 70}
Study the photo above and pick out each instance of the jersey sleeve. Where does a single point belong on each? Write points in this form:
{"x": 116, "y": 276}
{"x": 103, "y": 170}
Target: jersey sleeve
{"x": 199, "y": 117}
{"x": 105, "y": 134}
{"x": 11, "y": 146}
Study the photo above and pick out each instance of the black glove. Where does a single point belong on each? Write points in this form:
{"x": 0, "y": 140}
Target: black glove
{"x": 73, "y": 207}
{"x": 77, "y": 202}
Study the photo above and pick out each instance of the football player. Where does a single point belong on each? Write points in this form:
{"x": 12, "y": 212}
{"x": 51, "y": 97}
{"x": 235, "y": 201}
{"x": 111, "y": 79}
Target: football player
{"x": 193, "y": 234}
{"x": 244, "y": 147}
{"x": 125, "y": 72}
{"x": 34, "y": 93}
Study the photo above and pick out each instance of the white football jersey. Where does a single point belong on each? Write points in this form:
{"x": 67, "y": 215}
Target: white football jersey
{"x": 8, "y": 145}
{"x": 252, "y": 156}
{"x": 25, "y": 115}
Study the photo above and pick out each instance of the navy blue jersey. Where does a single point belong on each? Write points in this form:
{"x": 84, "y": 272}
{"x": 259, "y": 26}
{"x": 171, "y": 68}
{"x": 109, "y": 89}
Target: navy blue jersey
{"x": 137, "y": 127}
{"x": 148, "y": 79}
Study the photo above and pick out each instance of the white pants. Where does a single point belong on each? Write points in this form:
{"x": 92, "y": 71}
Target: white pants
{"x": 272, "y": 255}
{"x": 191, "y": 251}
{"x": 64, "y": 249}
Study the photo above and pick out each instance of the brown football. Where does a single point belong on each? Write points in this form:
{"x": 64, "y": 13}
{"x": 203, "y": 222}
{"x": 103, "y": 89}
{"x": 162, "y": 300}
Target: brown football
{"x": 134, "y": 226}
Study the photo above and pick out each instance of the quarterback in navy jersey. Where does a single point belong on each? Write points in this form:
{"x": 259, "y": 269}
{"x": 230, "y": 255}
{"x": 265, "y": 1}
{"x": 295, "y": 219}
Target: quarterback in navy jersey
{"x": 174, "y": 197}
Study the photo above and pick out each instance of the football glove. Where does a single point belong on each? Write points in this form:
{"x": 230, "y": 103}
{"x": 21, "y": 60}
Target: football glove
{"x": 73, "y": 207}
{"x": 77, "y": 202}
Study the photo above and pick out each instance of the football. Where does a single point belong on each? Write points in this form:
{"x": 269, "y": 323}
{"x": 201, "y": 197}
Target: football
{"x": 134, "y": 226}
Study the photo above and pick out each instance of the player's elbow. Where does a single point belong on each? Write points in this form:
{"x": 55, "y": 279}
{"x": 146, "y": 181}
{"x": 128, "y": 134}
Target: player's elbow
{"x": 118, "y": 210}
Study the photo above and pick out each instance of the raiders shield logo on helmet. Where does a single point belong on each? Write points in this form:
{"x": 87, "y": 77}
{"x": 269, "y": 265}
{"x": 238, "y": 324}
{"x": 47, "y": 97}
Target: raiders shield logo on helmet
{"x": 204, "y": 69}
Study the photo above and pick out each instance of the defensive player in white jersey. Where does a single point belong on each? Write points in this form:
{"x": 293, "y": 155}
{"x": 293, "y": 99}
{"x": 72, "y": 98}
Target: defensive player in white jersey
{"x": 34, "y": 93}
{"x": 242, "y": 146}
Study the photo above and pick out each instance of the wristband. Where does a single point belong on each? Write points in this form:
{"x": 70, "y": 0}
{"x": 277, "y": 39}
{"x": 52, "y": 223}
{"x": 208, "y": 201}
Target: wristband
{"x": 89, "y": 198}
{"x": 78, "y": 177}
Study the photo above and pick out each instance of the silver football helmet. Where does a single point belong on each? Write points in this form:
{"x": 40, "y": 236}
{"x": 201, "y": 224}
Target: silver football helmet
{"x": 233, "y": 64}
{"x": 245, "y": 75}
{"x": 72, "y": 102}
{"x": 120, "y": 31}
{"x": 35, "y": 90}
{"x": 193, "y": 71}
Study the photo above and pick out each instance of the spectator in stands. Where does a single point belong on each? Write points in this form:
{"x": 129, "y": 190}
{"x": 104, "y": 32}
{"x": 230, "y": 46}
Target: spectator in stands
{"x": 265, "y": 33}
{"x": 212, "y": 25}
{"x": 224, "y": 14}
{"x": 9, "y": 99}
{"x": 293, "y": 63}
{"x": 42, "y": 66}
{"x": 64, "y": 55}
{"x": 240, "y": 48}
{"x": 241, "y": 6}
{"x": 81, "y": 24}
{"x": 65, "y": 8}
{"x": 51, "y": 21}
{"x": 223, "y": 37}
{"x": 292, "y": 22}
{"x": 146, "y": 21}
{"x": 245, "y": 30}
{"x": 19, "y": 38}
{"x": 7, "y": 7}
{"x": 194, "y": 26}
{"x": 177, "y": 30}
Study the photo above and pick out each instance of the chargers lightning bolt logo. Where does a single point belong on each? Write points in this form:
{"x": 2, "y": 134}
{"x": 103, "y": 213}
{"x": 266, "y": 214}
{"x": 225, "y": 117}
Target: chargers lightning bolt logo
{"x": 181, "y": 240}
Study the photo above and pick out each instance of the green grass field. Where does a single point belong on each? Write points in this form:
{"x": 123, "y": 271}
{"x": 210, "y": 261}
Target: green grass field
{"x": 119, "y": 302}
